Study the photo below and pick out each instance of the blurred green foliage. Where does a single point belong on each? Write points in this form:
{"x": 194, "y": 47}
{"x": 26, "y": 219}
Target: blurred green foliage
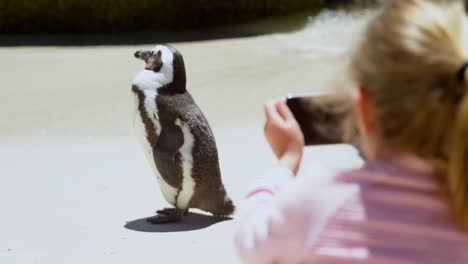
{"x": 17, "y": 16}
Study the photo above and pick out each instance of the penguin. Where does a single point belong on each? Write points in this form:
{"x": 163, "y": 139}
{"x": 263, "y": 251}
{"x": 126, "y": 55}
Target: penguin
{"x": 176, "y": 138}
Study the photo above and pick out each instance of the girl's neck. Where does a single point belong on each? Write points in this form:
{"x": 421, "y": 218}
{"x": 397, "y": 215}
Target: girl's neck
{"x": 409, "y": 162}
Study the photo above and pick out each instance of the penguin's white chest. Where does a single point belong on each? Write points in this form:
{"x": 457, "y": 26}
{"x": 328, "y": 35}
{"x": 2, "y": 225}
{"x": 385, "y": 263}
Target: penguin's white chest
{"x": 174, "y": 196}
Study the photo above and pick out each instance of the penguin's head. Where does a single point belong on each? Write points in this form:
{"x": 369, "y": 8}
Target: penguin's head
{"x": 165, "y": 60}
{"x": 158, "y": 57}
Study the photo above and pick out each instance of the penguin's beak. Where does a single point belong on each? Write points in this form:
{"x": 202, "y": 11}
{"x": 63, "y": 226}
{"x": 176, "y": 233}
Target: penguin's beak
{"x": 143, "y": 55}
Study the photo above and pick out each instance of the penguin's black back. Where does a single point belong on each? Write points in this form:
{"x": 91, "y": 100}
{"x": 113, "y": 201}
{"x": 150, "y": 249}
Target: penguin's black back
{"x": 209, "y": 192}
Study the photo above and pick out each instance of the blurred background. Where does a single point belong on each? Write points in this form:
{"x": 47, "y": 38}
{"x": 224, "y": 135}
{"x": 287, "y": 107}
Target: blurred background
{"x": 80, "y": 16}
{"x": 200, "y": 19}
{"x": 72, "y": 175}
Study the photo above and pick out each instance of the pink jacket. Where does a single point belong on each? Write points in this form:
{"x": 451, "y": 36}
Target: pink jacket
{"x": 381, "y": 213}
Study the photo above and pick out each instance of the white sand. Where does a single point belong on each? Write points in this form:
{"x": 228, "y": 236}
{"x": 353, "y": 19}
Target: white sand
{"x": 72, "y": 174}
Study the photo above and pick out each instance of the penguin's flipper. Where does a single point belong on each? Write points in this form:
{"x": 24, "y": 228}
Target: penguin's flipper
{"x": 169, "y": 142}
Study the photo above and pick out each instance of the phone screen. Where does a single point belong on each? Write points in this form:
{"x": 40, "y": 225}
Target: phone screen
{"x": 325, "y": 118}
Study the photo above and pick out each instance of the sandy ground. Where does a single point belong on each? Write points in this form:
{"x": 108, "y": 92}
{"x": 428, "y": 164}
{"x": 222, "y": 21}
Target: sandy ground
{"x": 74, "y": 184}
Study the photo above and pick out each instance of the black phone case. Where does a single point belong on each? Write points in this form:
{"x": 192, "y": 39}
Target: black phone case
{"x": 324, "y": 119}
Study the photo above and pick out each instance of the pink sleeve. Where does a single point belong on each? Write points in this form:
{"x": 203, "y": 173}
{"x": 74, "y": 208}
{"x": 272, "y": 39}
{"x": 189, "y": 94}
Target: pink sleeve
{"x": 281, "y": 216}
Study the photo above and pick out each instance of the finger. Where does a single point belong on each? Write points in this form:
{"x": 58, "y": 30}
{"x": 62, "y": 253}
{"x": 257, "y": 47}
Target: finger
{"x": 284, "y": 111}
{"x": 271, "y": 112}
{"x": 278, "y": 106}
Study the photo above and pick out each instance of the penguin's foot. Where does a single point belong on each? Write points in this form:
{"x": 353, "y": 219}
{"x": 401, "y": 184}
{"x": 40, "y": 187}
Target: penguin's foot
{"x": 167, "y": 215}
{"x": 168, "y": 211}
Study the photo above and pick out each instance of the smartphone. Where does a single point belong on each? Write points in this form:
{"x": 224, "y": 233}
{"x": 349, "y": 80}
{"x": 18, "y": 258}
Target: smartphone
{"x": 325, "y": 118}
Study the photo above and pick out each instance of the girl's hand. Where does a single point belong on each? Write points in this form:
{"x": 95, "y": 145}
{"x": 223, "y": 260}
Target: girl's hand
{"x": 284, "y": 135}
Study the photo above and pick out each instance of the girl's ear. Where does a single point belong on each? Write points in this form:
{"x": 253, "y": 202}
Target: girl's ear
{"x": 365, "y": 110}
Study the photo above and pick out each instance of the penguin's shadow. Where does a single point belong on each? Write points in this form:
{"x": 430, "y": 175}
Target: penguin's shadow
{"x": 190, "y": 222}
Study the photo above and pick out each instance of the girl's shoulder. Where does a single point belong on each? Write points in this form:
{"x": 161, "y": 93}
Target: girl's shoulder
{"x": 385, "y": 174}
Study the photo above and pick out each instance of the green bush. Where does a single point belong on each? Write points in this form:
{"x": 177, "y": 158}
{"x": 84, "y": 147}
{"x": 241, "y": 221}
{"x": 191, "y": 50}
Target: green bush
{"x": 18, "y": 16}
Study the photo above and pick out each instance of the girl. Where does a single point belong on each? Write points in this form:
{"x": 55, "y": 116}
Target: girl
{"x": 409, "y": 203}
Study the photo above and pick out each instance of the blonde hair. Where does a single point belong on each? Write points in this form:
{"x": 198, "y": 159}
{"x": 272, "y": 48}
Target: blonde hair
{"x": 411, "y": 62}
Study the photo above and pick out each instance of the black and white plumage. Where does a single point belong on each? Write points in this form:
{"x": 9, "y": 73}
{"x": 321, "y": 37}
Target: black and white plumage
{"x": 176, "y": 138}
